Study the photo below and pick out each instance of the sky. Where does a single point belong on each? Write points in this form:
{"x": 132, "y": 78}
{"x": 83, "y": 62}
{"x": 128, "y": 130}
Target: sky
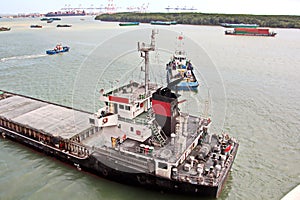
{"x": 268, "y": 7}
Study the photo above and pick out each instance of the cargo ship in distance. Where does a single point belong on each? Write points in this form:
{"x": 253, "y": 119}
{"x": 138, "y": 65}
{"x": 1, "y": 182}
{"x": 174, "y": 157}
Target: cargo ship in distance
{"x": 251, "y": 32}
{"x": 140, "y": 137}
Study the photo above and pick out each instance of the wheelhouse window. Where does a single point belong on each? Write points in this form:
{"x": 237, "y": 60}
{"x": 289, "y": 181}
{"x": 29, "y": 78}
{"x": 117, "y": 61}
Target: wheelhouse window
{"x": 121, "y": 107}
{"x": 92, "y": 121}
{"x": 127, "y": 108}
{"x": 162, "y": 165}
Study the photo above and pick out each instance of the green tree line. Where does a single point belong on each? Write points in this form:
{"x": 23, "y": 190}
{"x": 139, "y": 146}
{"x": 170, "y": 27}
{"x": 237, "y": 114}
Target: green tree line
{"x": 274, "y": 21}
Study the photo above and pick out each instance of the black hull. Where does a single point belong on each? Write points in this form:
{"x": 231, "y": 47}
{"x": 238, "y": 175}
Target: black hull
{"x": 93, "y": 165}
{"x": 148, "y": 181}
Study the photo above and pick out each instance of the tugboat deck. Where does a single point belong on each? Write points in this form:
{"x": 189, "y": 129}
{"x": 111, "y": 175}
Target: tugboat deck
{"x": 50, "y": 119}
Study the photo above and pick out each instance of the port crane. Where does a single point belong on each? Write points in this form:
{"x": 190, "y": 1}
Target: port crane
{"x": 178, "y": 8}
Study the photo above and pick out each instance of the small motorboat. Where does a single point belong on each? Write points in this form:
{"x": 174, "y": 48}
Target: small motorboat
{"x": 36, "y": 26}
{"x": 58, "y": 49}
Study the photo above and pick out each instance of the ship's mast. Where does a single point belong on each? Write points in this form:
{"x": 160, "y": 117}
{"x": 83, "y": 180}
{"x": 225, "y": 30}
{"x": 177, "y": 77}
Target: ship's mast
{"x": 180, "y": 42}
{"x": 144, "y": 49}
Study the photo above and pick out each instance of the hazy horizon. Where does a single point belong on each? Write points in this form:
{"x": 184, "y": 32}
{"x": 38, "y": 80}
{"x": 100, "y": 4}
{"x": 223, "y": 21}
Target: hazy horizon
{"x": 255, "y": 7}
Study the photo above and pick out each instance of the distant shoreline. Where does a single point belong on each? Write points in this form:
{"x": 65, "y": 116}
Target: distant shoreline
{"x": 272, "y": 21}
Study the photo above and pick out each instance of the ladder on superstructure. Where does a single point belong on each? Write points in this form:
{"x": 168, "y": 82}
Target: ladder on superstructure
{"x": 158, "y": 134}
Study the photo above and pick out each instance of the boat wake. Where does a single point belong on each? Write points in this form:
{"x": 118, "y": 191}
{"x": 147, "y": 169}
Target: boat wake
{"x": 22, "y": 57}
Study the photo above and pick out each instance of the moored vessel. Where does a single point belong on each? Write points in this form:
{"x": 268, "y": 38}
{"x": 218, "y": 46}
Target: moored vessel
{"x": 163, "y": 23}
{"x": 241, "y": 25}
{"x": 51, "y": 18}
{"x": 63, "y": 25}
{"x": 129, "y": 23}
{"x": 36, "y": 26}
{"x": 139, "y": 137}
{"x": 179, "y": 67}
{"x": 251, "y": 32}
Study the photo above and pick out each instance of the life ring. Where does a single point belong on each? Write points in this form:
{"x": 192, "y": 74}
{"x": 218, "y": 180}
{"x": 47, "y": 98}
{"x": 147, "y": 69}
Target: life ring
{"x": 141, "y": 179}
{"x": 104, "y": 172}
{"x": 104, "y": 120}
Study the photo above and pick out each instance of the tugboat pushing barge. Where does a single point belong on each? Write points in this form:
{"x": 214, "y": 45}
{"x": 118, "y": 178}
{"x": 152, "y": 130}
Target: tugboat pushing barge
{"x": 139, "y": 137}
{"x": 180, "y": 67}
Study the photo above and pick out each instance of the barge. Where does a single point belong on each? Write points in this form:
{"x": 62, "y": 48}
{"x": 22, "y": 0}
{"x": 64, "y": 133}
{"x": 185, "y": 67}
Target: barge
{"x": 129, "y": 23}
{"x": 140, "y": 137}
{"x": 163, "y": 22}
{"x": 251, "y": 32}
{"x": 241, "y": 25}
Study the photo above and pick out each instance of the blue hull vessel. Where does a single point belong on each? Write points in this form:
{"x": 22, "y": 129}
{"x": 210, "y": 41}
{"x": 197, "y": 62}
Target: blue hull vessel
{"x": 183, "y": 85}
{"x": 179, "y": 67}
{"x": 56, "y": 51}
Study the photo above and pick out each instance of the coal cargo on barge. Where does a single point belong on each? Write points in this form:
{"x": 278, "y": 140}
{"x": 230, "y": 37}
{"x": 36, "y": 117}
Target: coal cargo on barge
{"x": 140, "y": 137}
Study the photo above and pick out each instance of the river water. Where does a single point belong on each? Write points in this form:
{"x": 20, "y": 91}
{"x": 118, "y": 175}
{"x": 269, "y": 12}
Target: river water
{"x": 251, "y": 85}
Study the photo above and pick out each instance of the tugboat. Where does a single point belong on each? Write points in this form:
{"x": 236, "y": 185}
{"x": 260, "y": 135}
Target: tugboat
{"x": 139, "y": 137}
{"x": 181, "y": 67}
{"x": 58, "y": 49}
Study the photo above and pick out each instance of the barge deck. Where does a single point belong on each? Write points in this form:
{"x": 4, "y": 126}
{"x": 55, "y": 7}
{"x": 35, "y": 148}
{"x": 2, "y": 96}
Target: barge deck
{"x": 49, "y": 127}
